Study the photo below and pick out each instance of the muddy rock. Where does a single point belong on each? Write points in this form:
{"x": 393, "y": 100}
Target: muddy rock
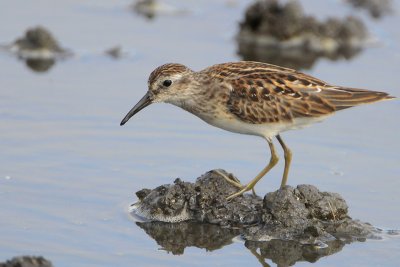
{"x": 38, "y": 43}
{"x": 38, "y": 48}
{"x": 282, "y": 34}
{"x": 115, "y": 52}
{"x": 271, "y": 23}
{"x": 204, "y": 201}
{"x": 308, "y": 216}
{"x": 38, "y": 38}
{"x": 26, "y": 261}
{"x": 153, "y": 8}
{"x": 286, "y": 226}
{"x": 304, "y": 213}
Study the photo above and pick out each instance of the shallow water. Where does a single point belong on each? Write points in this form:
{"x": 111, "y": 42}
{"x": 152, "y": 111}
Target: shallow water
{"x": 68, "y": 171}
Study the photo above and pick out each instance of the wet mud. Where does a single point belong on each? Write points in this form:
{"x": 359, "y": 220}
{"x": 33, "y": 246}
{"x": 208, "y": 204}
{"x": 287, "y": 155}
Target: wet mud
{"x": 36, "y": 39}
{"x": 375, "y": 8}
{"x": 38, "y": 48}
{"x": 26, "y": 261}
{"x": 150, "y": 9}
{"x": 301, "y": 221}
{"x": 282, "y": 34}
{"x": 303, "y": 213}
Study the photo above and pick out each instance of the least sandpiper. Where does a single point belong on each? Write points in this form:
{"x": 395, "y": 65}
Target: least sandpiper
{"x": 251, "y": 98}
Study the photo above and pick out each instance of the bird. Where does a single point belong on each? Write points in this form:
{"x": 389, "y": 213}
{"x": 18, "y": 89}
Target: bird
{"x": 252, "y": 98}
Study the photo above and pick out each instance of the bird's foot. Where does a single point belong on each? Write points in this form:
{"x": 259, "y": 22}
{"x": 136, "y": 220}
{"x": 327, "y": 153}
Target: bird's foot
{"x": 241, "y": 192}
{"x": 230, "y": 179}
{"x": 236, "y": 182}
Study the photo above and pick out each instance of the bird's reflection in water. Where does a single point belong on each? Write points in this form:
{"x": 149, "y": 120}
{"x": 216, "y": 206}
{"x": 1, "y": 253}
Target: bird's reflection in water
{"x": 175, "y": 237}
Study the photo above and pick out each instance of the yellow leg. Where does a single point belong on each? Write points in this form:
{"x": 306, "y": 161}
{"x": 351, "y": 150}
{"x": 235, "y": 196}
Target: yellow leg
{"x": 288, "y": 160}
{"x": 272, "y": 162}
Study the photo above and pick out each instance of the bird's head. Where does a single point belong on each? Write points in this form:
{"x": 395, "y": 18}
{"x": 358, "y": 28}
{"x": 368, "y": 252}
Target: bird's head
{"x": 167, "y": 84}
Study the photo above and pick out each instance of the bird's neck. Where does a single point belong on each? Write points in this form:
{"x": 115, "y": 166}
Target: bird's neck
{"x": 200, "y": 99}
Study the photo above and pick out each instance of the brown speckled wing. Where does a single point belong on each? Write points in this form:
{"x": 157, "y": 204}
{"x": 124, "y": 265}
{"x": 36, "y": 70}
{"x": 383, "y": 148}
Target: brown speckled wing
{"x": 262, "y": 93}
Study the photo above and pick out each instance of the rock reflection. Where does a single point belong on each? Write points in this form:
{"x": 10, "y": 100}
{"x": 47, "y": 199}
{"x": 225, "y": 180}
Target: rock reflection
{"x": 40, "y": 65}
{"x": 175, "y": 237}
{"x": 290, "y": 58}
{"x": 287, "y": 253}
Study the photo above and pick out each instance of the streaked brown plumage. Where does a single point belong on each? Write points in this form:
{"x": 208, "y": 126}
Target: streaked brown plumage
{"x": 252, "y": 98}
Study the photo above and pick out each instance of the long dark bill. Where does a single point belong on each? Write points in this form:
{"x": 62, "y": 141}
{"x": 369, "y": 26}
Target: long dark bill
{"x": 144, "y": 102}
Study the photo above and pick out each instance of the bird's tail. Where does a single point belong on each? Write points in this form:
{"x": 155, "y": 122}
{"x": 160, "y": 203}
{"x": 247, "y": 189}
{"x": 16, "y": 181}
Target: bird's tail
{"x": 343, "y": 97}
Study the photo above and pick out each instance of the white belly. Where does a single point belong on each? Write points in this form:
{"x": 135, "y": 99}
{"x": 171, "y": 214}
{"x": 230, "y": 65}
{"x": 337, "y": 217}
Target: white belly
{"x": 266, "y": 130}
{"x": 227, "y": 121}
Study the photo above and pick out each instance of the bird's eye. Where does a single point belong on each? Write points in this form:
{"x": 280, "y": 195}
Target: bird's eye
{"x": 167, "y": 83}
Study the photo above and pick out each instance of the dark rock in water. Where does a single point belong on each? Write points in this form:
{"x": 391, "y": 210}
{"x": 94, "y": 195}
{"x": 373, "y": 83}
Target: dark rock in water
{"x": 287, "y": 24}
{"x": 203, "y": 201}
{"x": 26, "y": 261}
{"x": 38, "y": 48}
{"x": 38, "y": 43}
{"x": 38, "y": 38}
{"x": 175, "y": 237}
{"x": 286, "y": 226}
{"x": 115, "y": 52}
{"x": 376, "y": 8}
{"x": 303, "y": 213}
{"x": 152, "y": 8}
{"x": 284, "y": 35}
{"x": 147, "y": 8}
{"x": 308, "y": 216}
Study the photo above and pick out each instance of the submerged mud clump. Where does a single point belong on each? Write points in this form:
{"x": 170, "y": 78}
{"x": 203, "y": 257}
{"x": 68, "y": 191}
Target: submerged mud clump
{"x": 39, "y": 43}
{"x": 153, "y": 8}
{"x": 303, "y": 214}
{"x": 38, "y": 48}
{"x": 270, "y": 28}
{"x": 38, "y": 38}
{"x": 271, "y": 23}
{"x": 376, "y": 8}
{"x": 26, "y": 261}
